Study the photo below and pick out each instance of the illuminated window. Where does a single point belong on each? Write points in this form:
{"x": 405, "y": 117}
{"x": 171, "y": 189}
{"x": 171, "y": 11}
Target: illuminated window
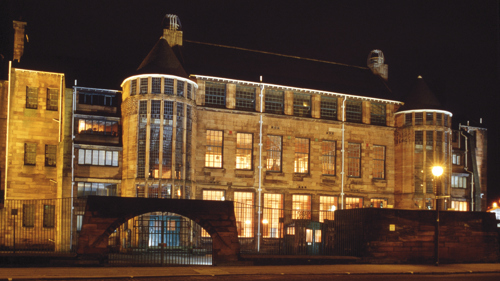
{"x": 98, "y": 127}
{"x": 99, "y": 189}
{"x": 354, "y": 160}
{"x": 133, "y": 87}
{"x": 301, "y": 207}
{"x": 378, "y": 162}
{"x": 327, "y": 207}
{"x": 154, "y": 139}
{"x": 97, "y": 157}
{"x": 168, "y": 117}
{"x": 419, "y": 118}
{"x": 30, "y": 154}
{"x": 141, "y": 139}
{"x": 180, "y": 88}
{"x": 168, "y": 87}
{"x": 213, "y": 153}
{"x": 245, "y": 98}
{"x": 215, "y": 94}
{"x": 328, "y": 157}
{"x": 354, "y": 110}
{"x": 244, "y": 144}
{"x": 459, "y": 206}
{"x": 50, "y": 155}
{"x": 143, "y": 85}
{"x": 52, "y": 99}
{"x": 378, "y": 203}
{"x": 328, "y": 108}
{"x": 301, "y": 105}
{"x": 353, "y": 203}
{"x": 429, "y": 118}
{"x": 377, "y": 114}
{"x": 458, "y": 181}
{"x": 49, "y": 215}
{"x": 273, "y": 147}
{"x": 317, "y": 235}
{"x": 274, "y": 101}
{"x": 301, "y": 164}
{"x": 215, "y": 195}
{"x": 32, "y": 97}
{"x": 455, "y": 159}
{"x": 273, "y": 211}
{"x": 408, "y": 119}
{"x": 156, "y": 85}
{"x": 243, "y": 209}
{"x": 28, "y": 215}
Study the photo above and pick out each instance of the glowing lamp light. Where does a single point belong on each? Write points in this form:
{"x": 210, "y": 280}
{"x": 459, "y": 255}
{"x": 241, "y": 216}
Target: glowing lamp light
{"x": 247, "y": 221}
{"x": 495, "y": 205}
{"x": 333, "y": 208}
{"x": 437, "y": 171}
{"x": 264, "y": 221}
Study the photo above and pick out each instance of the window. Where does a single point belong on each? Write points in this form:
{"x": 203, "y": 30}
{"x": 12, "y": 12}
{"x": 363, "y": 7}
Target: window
{"x": 50, "y": 155}
{"x": 243, "y": 205}
{"x": 156, "y": 85}
{"x": 419, "y": 162}
{"x": 419, "y": 118}
{"x": 215, "y": 94}
{"x": 273, "y": 147}
{"x": 446, "y": 119}
{"x": 459, "y": 205}
{"x": 328, "y": 108}
{"x": 301, "y": 105}
{"x": 354, "y": 160}
{"x": 327, "y": 207}
{"x": 377, "y": 114}
{"x": 213, "y": 153}
{"x": 143, "y": 86}
{"x": 439, "y": 119}
{"x": 328, "y": 157}
{"x": 378, "y": 162}
{"x": 458, "y": 181}
{"x": 96, "y": 99}
{"x": 301, "y": 164}
{"x": 353, "y": 203}
{"x": 378, "y": 203}
{"x": 429, "y": 118}
{"x": 168, "y": 87}
{"x": 408, "y": 119}
{"x": 97, "y": 157}
{"x": 30, "y": 154}
{"x": 245, "y": 98}
{"x": 273, "y": 211}
{"x": 28, "y": 215}
{"x": 141, "y": 139}
{"x": 180, "y": 88}
{"x": 244, "y": 145}
{"x": 190, "y": 91}
{"x": 99, "y": 189}
{"x": 354, "y": 111}
{"x": 49, "y": 216}
{"x": 52, "y": 99}
{"x": 455, "y": 159}
{"x": 32, "y": 97}
{"x": 274, "y": 101}
{"x": 98, "y": 127}
{"x": 133, "y": 87}
{"x": 214, "y": 195}
{"x": 301, "y": 207}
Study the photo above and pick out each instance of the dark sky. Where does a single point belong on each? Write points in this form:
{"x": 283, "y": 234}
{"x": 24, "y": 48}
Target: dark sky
{"x": 453, "y": 44}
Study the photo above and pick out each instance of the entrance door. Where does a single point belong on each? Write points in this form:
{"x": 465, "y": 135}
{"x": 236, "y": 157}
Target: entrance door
{"x": 313, "y": 238}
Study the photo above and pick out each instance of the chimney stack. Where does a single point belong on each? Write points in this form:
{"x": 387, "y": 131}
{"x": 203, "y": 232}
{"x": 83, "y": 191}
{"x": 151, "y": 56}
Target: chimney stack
{"x": 19, "y": 28}
{"x": 172, "y": 30}
{"x": 376, "y": 64}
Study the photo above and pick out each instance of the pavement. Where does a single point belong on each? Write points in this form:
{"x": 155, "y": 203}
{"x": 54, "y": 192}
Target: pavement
{"x": 65, "y": 273}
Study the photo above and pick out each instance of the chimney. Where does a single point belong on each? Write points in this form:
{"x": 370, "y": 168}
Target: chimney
{"x": 172, "y": 30}
{"x": 19, "y": 27}
{"x": 376, "y": 64}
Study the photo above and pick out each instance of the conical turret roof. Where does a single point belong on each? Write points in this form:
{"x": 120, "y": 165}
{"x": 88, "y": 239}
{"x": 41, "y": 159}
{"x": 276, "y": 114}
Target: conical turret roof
{"x": 162, "y": 60}
{"x": 421, "y": 97}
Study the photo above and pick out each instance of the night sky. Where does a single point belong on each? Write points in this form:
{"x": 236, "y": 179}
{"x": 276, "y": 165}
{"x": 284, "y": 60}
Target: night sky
{"x": 453, "y": 44}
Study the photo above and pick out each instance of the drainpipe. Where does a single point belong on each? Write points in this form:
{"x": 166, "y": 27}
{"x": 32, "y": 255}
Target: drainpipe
{"x": 73, "y": 108}
{"x": 343, "y": 155}
{"x": 259, "y": 211}
{"x": 467, "y": 170}
{"x": 7, "y": 132}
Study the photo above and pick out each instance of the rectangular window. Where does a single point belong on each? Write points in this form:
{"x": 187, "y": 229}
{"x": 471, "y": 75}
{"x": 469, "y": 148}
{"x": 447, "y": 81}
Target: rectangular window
{"x": 273, "y": 211}
{"x": 243, "y": 209}
{"x": 301, "y": 105}
{"x": 133, "y": 87}
{"x": 377, "y": 114}
{"x": 273, "y": 147}
{"x": 244, "y": 145}
{"x": 274, "y": 101}
{"x": 301, "y": 207}
{"x": 144, "y": 86}
{"x": 327, "y": 207}
{"x": 245, "y": 98}
{"x": 328, "y": 157}
{"x": 99, "y": 189}
{"x": 189, "y": 91}
{"x": 328, "y": 108}
{"x": 353, "y": 203}
{"x": 354, "y": 111}
{"x": 455, "y": 159}
{"x": 52, "y": 99}
{"x": 180, "y": 88}
{"x": 50, "y": 155}
{"x": 354, "y": 160}
{"x": 378, "y": 162}
{"x": 408, "y": 119}
{"x": 168, "y": 87}
{"x": 156, "y": 85}
{"x": 32, "y": 97}
{"x": 30, "y": 154}
{"x": 49, "y": 216}
{"x": 301, "y": 163}
{"x": 419, "y": 118}
{"x": 429, "y": 118}
{"x": 378, "y": 203}
{"x": 214, "y": 195}
{"x": 215, "y": 94}
{"x": 446, "y": 119}
{"x": 461, "y": 206}
{"x": 28, "y": 215}
{"x": 97, "y": 157}
{"x": 458, "y": 181}
{"x": 213, "y": 153}
{"x": 439, "y": 119}
{"x": 98, "y": 127}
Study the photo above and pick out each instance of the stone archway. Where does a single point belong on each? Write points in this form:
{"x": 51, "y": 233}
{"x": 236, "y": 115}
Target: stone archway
{"x": 104, "y": 214}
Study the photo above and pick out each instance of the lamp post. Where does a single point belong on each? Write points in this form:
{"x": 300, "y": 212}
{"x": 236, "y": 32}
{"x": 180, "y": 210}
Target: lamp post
{"x": 437, "y": 171}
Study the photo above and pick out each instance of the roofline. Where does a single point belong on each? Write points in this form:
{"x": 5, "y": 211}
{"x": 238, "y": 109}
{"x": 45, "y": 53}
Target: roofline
{"x": 257, "y": 84}
{"x": 162, "y": 75}
{"x": 425, "y": 110}
{"x": 96, "y": 89}
{"x": 39, "y": 71}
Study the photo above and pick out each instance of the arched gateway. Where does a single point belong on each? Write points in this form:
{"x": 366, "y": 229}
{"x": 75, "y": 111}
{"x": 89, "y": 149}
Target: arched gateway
{"x": 104, "y": 214}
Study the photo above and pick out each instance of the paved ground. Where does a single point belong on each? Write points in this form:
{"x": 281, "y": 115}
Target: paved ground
{"x": 63, "y": 273}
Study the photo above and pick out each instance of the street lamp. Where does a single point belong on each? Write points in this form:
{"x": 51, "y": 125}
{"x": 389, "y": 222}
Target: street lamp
{"x": 437, "y": 171}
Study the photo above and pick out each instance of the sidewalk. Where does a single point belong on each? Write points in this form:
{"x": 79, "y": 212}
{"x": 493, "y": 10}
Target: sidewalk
{"x": 117, "y": 272}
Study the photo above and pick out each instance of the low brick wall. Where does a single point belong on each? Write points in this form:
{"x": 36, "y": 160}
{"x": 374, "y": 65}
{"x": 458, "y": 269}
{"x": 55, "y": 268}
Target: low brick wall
{"x": 407, "y": 236}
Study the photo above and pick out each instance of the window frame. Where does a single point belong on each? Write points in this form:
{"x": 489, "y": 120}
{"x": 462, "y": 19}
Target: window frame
{"x": 351, "y": 159}
{"x": 378, "y": 114}
{"x": 299, "y": 109}
{"x": 245, "y": 98}
{"x": 272, "y": 213}
{"x": 302, "y": 156}
{"x": 244, "y": 212}
{"x": 270, "y": 167}
{"x": 50, "y": 155}
{"x": 30, "y": 154}
{"x": 52, "y": 102}
{"x": 86, "y": 157}
{"x": 325, "y": 207}
{"x": 330, "y": 155}
{"x": 328, "y": 108}
{"x": 274, "y": 101}
{"x": 215, "y": 94}
{"x": 29, "y": 215}
{"x": 244, "y": 150}
{"x": 353, "y": 198}
{"x": 354, "y": 111}
{"x": 49, "y": 216}
{"x": 379, "y": 163}
{"x": 298, "y": 210}
{"x": 31, "y": 97}
{"x": 218, "y": 145}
